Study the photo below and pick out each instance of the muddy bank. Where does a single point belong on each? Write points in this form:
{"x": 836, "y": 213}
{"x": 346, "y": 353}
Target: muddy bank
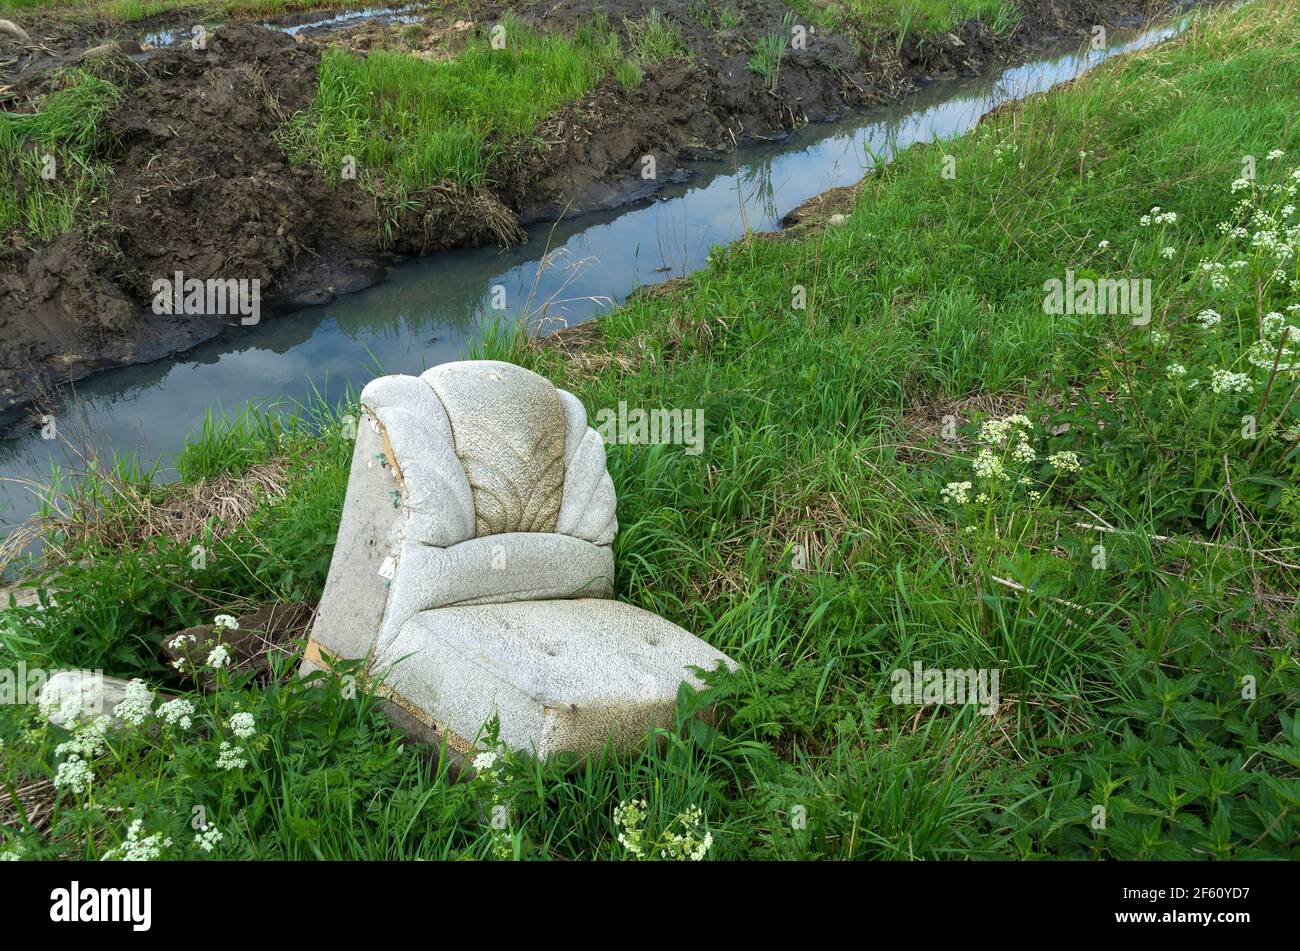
{"x": 201, "y": 184}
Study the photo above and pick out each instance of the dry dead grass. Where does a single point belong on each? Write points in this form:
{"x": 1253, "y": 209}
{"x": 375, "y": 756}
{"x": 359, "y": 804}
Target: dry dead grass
{"x": 31, "y": 799}
{"x": 123, "y": 515}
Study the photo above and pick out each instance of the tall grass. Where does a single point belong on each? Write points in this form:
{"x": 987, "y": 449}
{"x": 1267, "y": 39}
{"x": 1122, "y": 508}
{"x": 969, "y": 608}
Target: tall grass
{"x": 766, "y": 61}
{"x": 906, "y": 17}
{"x": 52, "y": 156}
{"x": 134, "y": 10}
{"x": 411, "y": 123}
{"x": 654, "y": 38}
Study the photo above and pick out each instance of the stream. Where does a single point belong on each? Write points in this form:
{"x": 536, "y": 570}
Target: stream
{"x": 430, "y": 309}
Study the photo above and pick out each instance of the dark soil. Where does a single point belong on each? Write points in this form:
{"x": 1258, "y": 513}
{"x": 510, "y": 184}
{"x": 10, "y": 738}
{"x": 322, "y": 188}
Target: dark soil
{"x": 201, "y": 184}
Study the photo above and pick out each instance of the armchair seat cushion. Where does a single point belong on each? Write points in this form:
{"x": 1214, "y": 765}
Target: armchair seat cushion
{"x": 562, "y": 675}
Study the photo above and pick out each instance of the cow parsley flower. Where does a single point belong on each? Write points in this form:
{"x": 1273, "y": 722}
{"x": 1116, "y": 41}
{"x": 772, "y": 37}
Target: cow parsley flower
{"x": 988, "y": 466}
{"x": 243, "y": 725}
{"x": 956, "y": 492}
{"x": 1175, "y": 370}
{"x": 628, "y": 820}
{"x": 178, "y": 712}
{"x": 228, "y": 757}
{"x": 996, "y": 432}
{"x": 138, "y": 848}
{"x": 1023, "y": 452}
{"x": 136, "y": 703}
{"x": 207, "y": 839}
{"x": 219, "y": 657}
{"x": 688, "y": 845}
{"x": 88, "y": 740}
{"x": 225, "y": 620}
{"x": 1272, "y": 324}
{"x": 74, "y": 774}
{"x": 1225, "y": 381}
{"x": 1065, "y": 461}
{"x": 1208, "y": 318}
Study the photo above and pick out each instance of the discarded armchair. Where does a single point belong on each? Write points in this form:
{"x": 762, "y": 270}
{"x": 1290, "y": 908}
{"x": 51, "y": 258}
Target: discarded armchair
{"x": 473, "y": 571}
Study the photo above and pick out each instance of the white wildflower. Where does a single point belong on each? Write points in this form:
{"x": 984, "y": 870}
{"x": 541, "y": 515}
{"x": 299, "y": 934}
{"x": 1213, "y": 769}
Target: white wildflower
{"x": 628, "y": 818}
{"x": 178, "y": 712}
{"x": 1065, "y": 461}
{"x": 988, "y": 466}
{"x": 1226, "y": 381}
{"x": 242, "y": 725}
{"x": 1023, "y": 452}
{"x": 207, "y": 839}
{"x": 88, "y": 740}
{"x": 956, "y": 492}
{"x": 74, "y": 774}
{"x": 138, "y": 848}
{"x": 136, "y": 703}
{"x": 228, "y": 757}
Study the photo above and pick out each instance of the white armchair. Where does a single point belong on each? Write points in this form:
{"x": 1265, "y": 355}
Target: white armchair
{"x": 473, "y": 570}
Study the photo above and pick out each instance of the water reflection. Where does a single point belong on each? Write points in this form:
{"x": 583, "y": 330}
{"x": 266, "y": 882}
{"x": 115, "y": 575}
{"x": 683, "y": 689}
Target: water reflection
{"x": 430, "y": 309}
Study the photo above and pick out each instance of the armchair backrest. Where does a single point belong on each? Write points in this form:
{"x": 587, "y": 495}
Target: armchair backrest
{"x": 477, "y": 482}
{"x": 482, "y": 447}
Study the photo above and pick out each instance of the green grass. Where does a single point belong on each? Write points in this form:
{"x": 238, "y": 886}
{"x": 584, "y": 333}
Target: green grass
{"x": 654, "y": 38}
{"x": 52, "y": 157}
{"x": 411, "y": 123}
{"x": 812, "y": 540}
{"x": 863, "y": 18}
{"x": 766, "y": 61}
{"x": 133, "y": 10}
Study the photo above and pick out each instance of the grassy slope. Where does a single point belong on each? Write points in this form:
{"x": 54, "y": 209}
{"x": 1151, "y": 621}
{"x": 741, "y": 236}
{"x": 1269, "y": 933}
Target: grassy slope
{"x": 1121, "y": 678}
{"x": 132, "y": 10}
{"x": 863, "y": 18}
{"x": 904, "y": 15}
{"x": 417, "y": 123}
{"x": 52, "y": 157}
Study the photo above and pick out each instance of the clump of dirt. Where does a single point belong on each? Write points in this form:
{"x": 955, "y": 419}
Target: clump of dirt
{"x": 202, "y": 185}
